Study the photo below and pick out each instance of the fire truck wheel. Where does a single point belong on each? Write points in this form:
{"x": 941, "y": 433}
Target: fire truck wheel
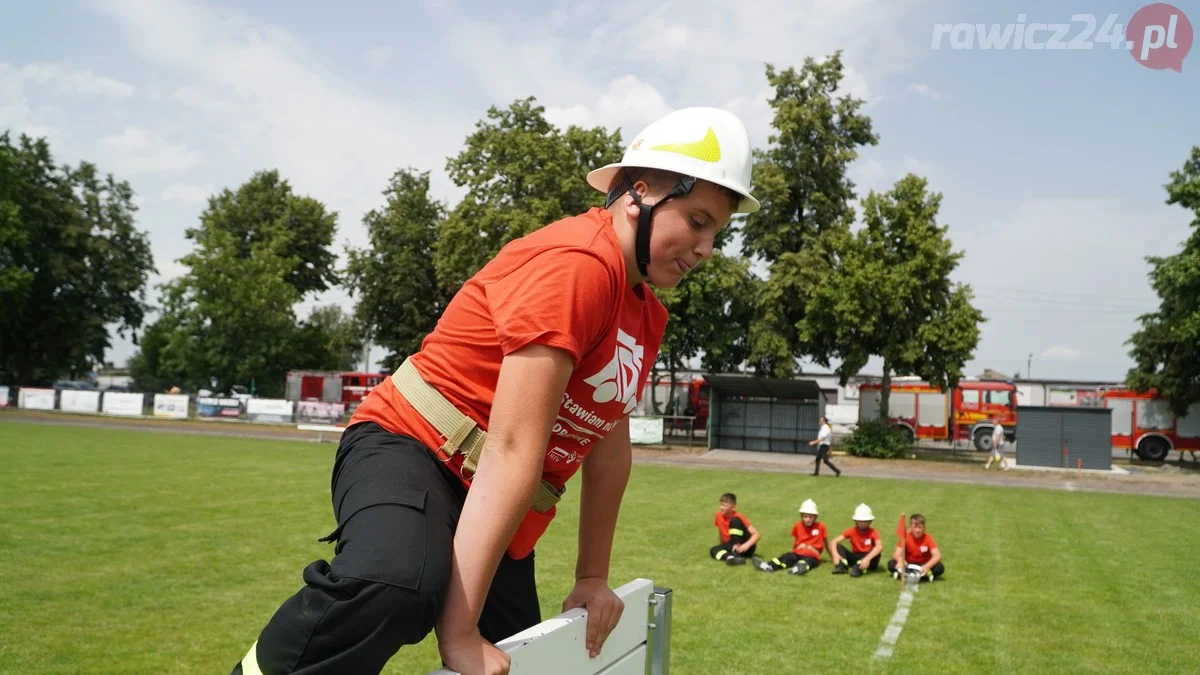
{"x": 1154, "y": 449}
{"x": 983, "y": 440}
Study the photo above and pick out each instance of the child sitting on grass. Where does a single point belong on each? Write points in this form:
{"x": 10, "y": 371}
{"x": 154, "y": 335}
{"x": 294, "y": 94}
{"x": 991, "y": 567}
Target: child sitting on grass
{"x": 811, "y": 539}
{"x": 865, "y": 545}
{"x": 917, "y": 554}
{"x": 738, "y": 537}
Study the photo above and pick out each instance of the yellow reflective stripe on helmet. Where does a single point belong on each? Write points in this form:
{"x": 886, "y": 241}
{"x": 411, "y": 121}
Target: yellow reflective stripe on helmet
{"x": 707, "y": 149}
{"x": 720, "y": 554}
{"x": 735, "y": 532}
{"x": 250, "y": 662}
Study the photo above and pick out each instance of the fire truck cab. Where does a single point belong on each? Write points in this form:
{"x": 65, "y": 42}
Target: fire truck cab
{"x": 926, "y": 412}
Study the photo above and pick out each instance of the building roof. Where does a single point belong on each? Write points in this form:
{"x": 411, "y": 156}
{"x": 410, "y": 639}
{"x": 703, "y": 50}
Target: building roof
{"x": 766, "y": 387}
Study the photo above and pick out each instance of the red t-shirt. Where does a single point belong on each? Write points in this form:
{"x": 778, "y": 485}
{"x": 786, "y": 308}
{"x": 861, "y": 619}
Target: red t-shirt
{"x": 812, "y": 536}
{"x": 862, "y": 542}
{"x": 722, "y": 523}
{"x": 918, "y": 551}
{"x": 562, "y": 285}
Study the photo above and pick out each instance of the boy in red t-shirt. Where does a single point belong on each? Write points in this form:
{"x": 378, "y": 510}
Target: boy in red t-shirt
{"x": 449, "y": 472}
{"x": 738, "y": 537}
{"x": 810, "y": 539}
{"x": 865, "y": 545}
{"x": 918, "y": 554}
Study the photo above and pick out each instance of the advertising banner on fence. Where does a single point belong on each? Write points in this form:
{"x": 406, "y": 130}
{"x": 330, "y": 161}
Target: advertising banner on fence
{"x": 320, "y": 412}
{"x": 71, "y": 400}
{"x": 208, "y": 406}
{"x": 646, "y": 429}
{"x": 269, "y": 410}
{"x": 3, "y": 397}
{"x": 171, "y": 405}
{"x": 35, "y": 399}
{"x": 120, "y": 403}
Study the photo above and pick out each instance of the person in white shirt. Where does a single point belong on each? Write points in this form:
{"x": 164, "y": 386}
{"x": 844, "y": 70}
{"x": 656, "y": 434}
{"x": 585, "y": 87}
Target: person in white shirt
{"x": 823, "y": 440}
{"x": 997, "y": 448}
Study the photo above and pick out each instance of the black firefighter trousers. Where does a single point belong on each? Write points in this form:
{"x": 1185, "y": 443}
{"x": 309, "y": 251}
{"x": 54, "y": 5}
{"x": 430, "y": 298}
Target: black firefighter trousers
{"x": 396, "y": 508}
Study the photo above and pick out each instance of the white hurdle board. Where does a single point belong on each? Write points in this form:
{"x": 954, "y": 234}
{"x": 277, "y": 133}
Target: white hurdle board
{"x": 321, "y": 430}
{"x": 639, "y": 645}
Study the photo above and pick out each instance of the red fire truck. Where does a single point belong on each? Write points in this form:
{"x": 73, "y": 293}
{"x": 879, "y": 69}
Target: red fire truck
{"x": 1143, "y": 422}
{"x": 331, "y": 386}
{"x": 925, "y": 411}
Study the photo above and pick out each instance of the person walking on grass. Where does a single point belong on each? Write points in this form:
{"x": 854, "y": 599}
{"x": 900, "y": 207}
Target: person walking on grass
{"x": 823, "y": 441}
{"x": 449, "y": 472}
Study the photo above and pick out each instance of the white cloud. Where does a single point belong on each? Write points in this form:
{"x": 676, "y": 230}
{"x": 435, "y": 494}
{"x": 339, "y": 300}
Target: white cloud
{"x": 378, "y": 57}
{"x": 1060, "y": 352}
{"x": 923, "y": 89}
{"x": 271, "y": 103}
{"x": 188, "y": 194}
{"x": 136, "y": 150}
{"x": 64, "y": 80}
{"x": 1043, "y": 275}
{"x": 628, "y": 103}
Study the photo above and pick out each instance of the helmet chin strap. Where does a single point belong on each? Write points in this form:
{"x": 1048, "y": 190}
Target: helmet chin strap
{"x": 646, "y": 213}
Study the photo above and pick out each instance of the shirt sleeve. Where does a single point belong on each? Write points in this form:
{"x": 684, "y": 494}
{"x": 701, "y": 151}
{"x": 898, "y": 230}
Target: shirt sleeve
{"x": 561, "y": 297}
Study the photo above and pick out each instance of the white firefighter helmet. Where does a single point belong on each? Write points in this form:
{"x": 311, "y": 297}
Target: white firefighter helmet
{"x": 809, "y": 506}
{"x": 705, "y": 143}
{"x": 863, "y": 512}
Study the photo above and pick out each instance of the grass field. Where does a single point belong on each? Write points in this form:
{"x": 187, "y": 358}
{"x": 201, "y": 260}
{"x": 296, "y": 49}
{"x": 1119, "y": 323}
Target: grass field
{"x": 131, "y": 552}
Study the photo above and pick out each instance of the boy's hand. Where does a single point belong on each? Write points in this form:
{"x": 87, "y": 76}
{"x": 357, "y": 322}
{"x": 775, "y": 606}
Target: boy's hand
{"x": 738, "y": 548}
{"x": 603, "y": 607}
{"x": 470, "y": 654}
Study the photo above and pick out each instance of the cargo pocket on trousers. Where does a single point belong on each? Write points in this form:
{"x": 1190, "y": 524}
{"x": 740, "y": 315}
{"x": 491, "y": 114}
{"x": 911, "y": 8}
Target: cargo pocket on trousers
{"x": 381, "y": 535}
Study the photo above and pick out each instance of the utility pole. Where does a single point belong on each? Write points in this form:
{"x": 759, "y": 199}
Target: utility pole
{"x": 1029, "y": 367}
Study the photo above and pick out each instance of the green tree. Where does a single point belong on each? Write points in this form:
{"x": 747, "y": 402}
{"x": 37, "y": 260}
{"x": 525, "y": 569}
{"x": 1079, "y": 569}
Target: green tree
{"x": 231, "y": 315}
{"x": 264, "y": 211}
{"x": 72, "y": 263}
{"x": 521, "y": 173}
{"x": 1166, "y": 349}
{"x": 329, "y": 339}
{"x": 400, "y": 299}
{"x": 710, "y": 314}
{"x": 800, "y": 178}
{"x": 890, "y": 295}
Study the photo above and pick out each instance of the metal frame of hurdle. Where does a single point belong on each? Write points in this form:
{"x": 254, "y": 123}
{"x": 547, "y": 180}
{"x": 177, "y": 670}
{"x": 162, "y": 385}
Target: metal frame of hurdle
{"x": 639, "y": 645}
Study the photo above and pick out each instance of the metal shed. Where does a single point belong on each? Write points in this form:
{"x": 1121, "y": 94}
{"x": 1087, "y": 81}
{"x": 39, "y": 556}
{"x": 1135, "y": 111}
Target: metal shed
{"x": 767, "y": 414}
{"x": 1060, "y": 437}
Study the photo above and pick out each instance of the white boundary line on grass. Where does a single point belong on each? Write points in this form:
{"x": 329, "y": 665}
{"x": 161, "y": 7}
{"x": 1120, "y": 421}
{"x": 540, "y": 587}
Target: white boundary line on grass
{"x": 887, "y": 641}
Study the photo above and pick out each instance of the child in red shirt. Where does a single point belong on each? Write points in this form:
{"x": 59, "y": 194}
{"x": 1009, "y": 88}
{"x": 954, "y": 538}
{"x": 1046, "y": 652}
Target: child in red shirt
{"x": 865, "y": 545}
{"x": 450, "y": 471}
{"x": 811, "y": 540}
{"x": 738, "y": 537}
{"x": 918, "y": 554}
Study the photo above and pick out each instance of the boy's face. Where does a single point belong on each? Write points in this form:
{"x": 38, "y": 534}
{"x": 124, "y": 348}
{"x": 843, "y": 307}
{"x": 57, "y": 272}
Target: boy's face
{"x": 808, "y": 519}
{"x": 918, "y": 529}
{"x": 727, "y": 507}
{"x": 863, "y": 525}
{"x": 684, "y": 232}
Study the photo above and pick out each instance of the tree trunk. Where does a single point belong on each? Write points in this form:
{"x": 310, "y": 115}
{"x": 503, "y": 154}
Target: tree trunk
{"x": 672, "y": 409}
{"x": 885, "y": 392}
{"x": 654, "y": 392}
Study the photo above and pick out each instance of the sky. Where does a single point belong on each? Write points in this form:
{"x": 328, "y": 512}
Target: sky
{"x": 1051, "y": 162}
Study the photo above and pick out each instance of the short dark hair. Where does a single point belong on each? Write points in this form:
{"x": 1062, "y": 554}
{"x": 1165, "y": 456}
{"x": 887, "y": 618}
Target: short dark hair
{"x": 662, "y": 181}
{"x": 729, "y": 497}
{"x": 916, "y": 518}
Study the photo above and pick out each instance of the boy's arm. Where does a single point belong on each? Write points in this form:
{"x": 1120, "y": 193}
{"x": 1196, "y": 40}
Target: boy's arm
{"x": 898, "y": 555}
{"x": 605, "y": 475}
{"x": 528, "y": 393}
{"x": 754, "y": 537}
{"x": 935, "y": 556}
{"x": 833, "y": 552}
{"x": 877, "y": 550}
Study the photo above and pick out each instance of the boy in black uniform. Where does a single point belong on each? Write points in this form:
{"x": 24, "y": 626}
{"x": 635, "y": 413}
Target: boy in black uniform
{"x": 738, "y": 537}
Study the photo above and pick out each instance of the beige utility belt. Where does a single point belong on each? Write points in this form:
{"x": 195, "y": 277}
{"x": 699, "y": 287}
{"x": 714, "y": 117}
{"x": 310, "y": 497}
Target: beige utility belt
{"x": 461, "y": 432}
